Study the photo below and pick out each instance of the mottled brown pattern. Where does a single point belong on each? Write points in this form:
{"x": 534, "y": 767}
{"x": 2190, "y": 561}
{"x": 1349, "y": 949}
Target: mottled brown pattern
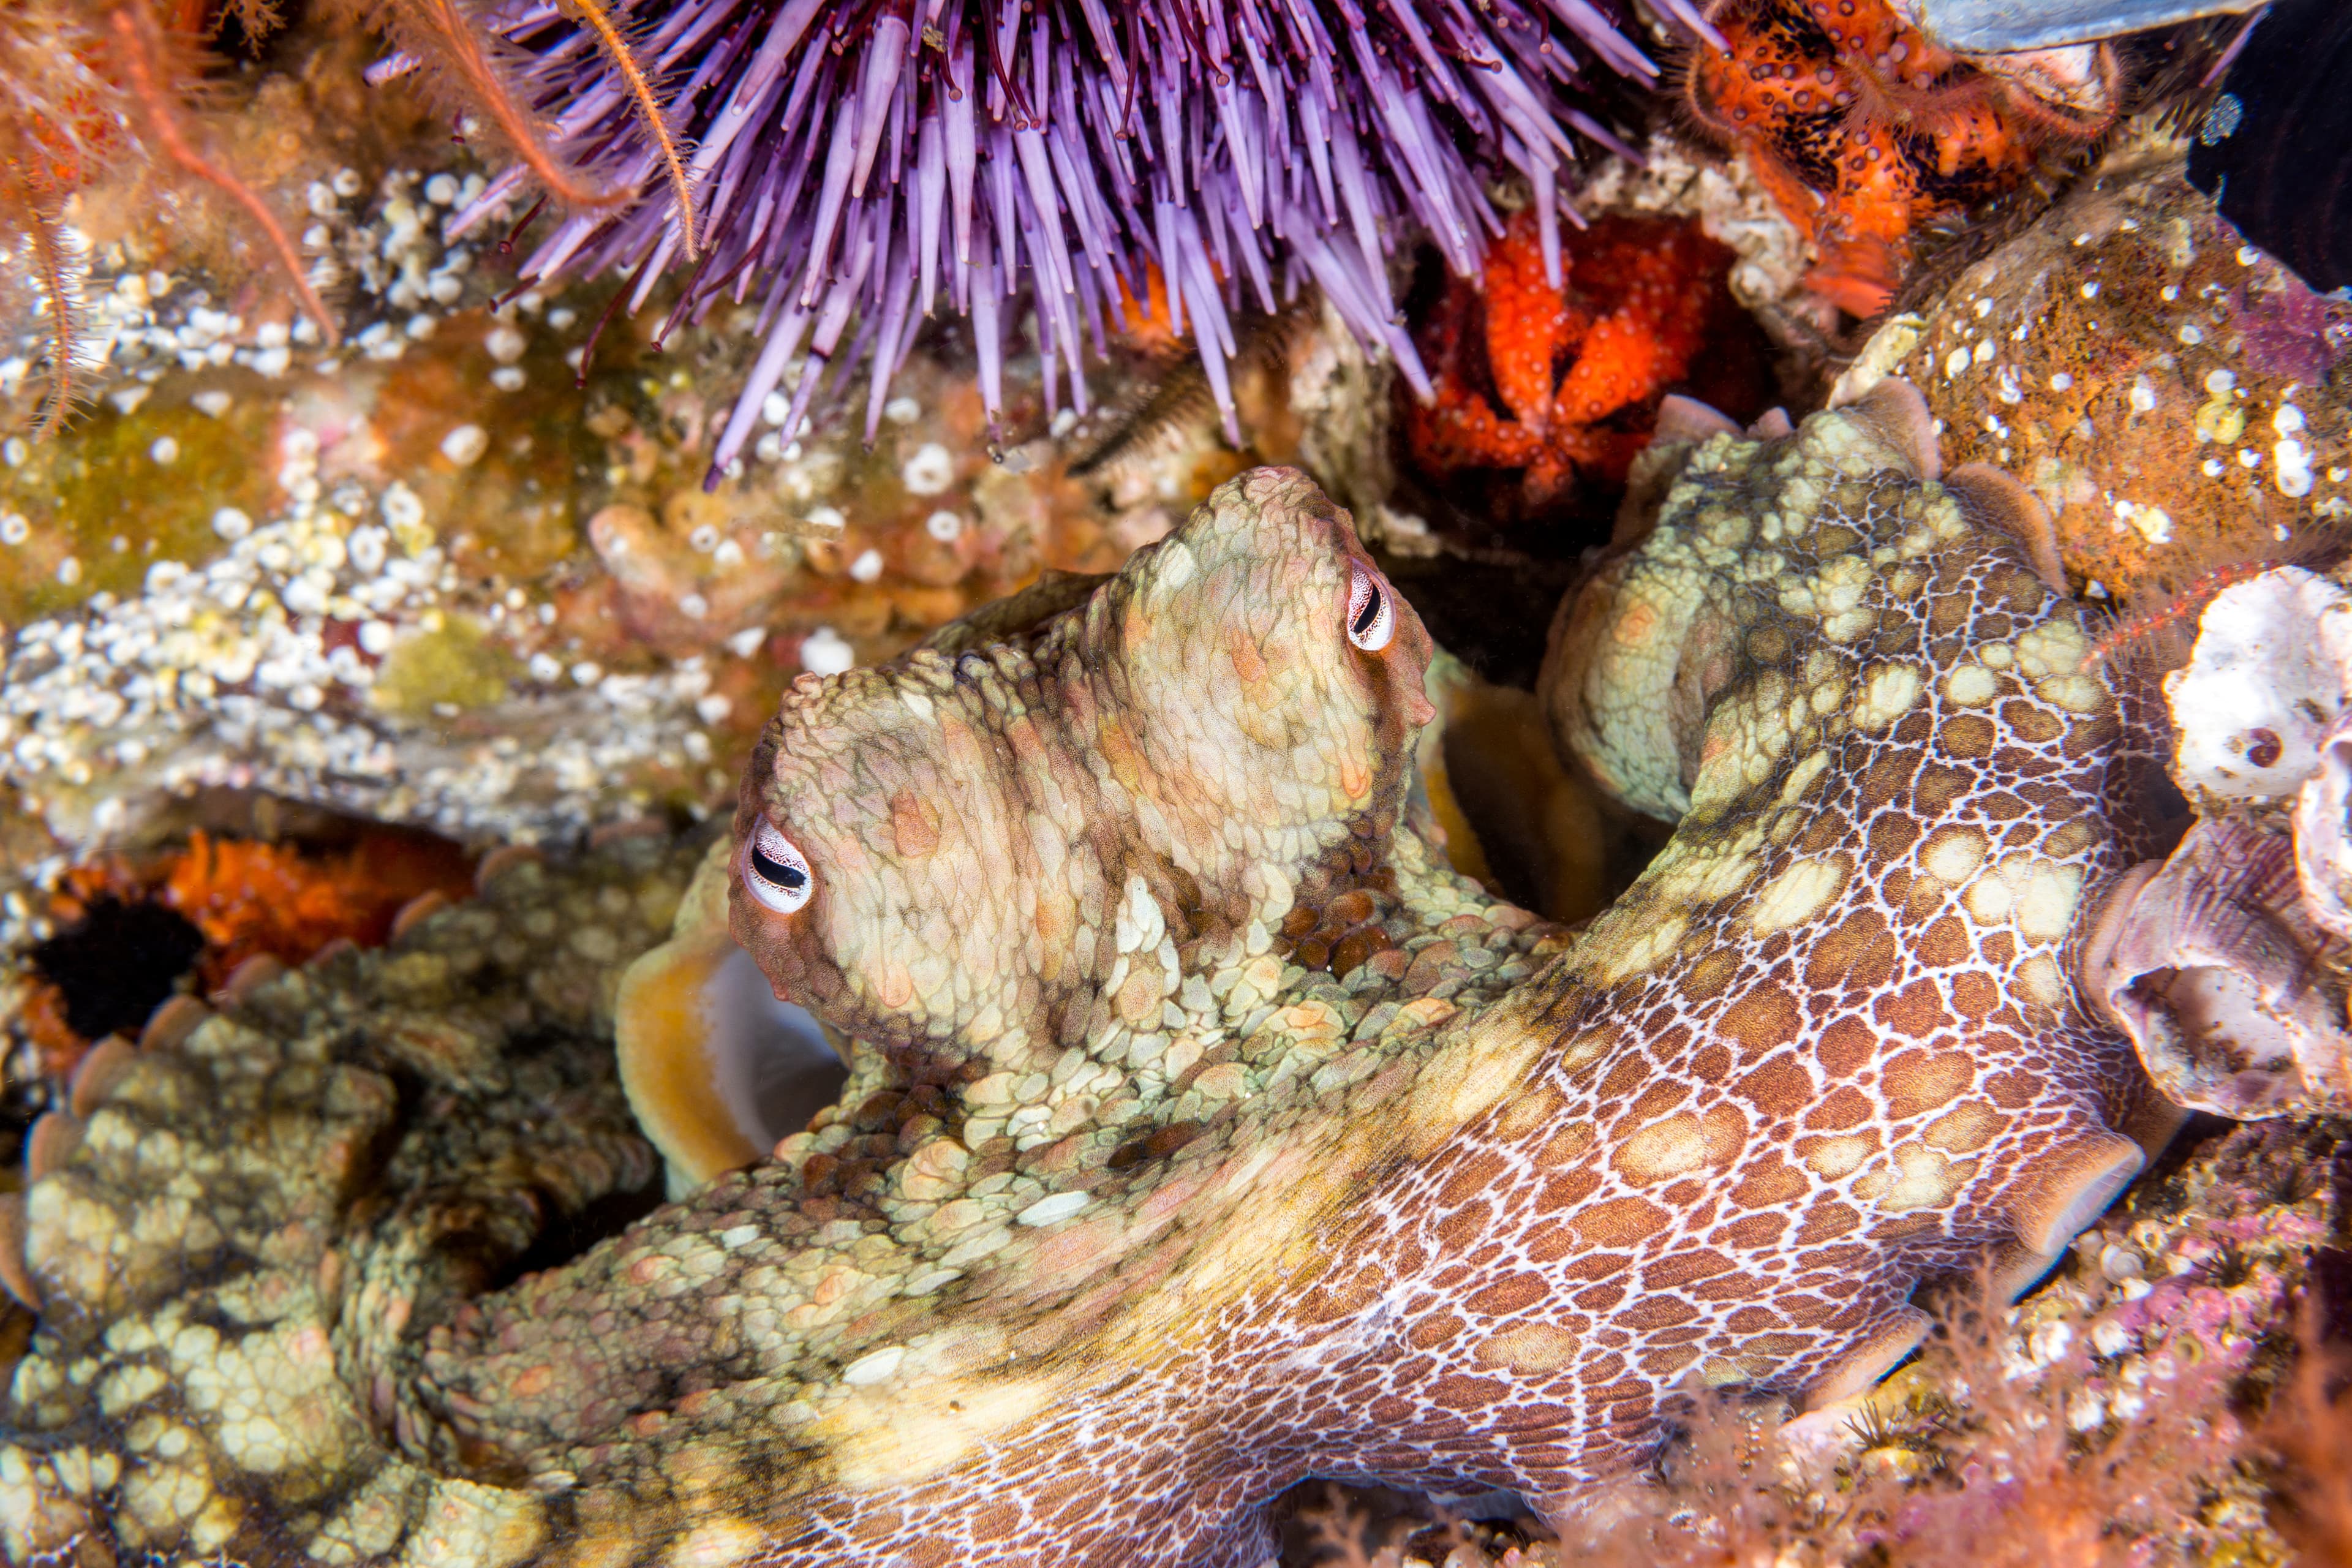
{"x": 1128, "y": 1220}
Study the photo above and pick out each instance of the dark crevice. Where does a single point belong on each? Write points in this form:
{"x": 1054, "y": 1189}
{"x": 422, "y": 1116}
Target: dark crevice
{"x": 117, "y": 964}
{"x": 567, "y": 1236}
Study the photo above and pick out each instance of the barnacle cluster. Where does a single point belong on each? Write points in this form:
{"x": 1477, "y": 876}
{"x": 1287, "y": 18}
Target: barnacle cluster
{"x": 89, "y": 90}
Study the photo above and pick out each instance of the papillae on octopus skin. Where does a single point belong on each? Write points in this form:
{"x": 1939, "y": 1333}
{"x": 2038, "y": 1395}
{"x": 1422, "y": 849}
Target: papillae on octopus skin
{"x": 1203, "y": 1132}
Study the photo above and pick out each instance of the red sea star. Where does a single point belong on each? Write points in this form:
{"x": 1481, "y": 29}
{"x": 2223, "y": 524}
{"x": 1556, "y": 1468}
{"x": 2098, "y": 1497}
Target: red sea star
{"x": 1575, "y": 367}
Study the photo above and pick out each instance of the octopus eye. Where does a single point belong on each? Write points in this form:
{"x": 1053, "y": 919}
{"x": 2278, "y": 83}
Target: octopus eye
{"x": 777, "y": 873}
{"x": 1370, "y": 619}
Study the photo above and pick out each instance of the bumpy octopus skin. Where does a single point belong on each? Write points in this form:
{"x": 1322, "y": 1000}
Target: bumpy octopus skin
{"x": 1128, "y": 1221}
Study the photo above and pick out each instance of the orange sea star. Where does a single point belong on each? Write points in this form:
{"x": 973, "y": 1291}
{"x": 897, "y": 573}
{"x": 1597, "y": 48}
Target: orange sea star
{"x": 1566, "y": 363}
{"x": 1862, "y": 128}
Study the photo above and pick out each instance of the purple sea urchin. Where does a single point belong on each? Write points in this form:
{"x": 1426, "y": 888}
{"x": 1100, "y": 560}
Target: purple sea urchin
{"x": 852, "y": 160}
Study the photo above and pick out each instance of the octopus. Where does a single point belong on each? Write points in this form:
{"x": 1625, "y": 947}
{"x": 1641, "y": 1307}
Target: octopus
{"x": 1202, "y": 1130}
{"x": 1863, "y": 128}
{"x": 1576, "y": 355}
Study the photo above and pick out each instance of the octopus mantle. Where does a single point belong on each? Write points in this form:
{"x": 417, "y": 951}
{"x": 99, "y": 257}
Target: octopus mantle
{"x": 1204, "y": 1132}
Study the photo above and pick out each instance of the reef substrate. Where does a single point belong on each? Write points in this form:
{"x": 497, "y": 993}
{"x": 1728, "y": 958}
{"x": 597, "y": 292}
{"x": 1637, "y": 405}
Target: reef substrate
{"x": 2172, "y": 395}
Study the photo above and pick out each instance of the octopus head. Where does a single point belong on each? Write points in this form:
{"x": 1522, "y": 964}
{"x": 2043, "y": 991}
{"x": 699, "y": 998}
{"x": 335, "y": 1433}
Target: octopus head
{"x": 987, "y": 851}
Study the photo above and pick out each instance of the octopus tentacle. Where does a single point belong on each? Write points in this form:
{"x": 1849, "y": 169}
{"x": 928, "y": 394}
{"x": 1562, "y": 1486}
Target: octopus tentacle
{"x": 1203, "y": 1130}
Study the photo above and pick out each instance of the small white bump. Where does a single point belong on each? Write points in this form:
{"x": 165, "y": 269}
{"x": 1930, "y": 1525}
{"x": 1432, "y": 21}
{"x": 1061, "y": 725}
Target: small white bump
{"x": 823, "y": 652}
{"x": 930, "y": 470}
{"x": 465, "y": 445}
{"x": 1059, "y": 1206}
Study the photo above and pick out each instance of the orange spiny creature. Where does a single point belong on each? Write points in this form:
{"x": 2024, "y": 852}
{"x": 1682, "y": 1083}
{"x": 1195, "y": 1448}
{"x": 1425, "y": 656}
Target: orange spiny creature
{"x": 120, "y": 951}
{"x": 1573, "y": 369}
{"x": 1862, "y": 128}
{"x": 246, "y": 898}
{"x": 249, "y": 898}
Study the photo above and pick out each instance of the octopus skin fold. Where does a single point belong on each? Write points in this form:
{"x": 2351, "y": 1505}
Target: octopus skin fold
{"x": 1203, "y": 1132}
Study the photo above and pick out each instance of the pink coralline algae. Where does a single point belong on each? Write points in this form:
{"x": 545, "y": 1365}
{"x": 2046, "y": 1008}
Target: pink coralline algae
{"x": 2293, "y": 331}
{"x": 844, "y": 166}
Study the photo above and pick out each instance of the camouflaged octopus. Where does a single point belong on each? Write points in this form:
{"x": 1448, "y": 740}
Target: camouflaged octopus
{"x": 1203, "y": 1131}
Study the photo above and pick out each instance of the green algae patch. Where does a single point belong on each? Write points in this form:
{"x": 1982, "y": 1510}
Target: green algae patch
{"x": 444, "y": 668}
{"x": 504, "y": 475}
{"x": 91, "y": 511}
